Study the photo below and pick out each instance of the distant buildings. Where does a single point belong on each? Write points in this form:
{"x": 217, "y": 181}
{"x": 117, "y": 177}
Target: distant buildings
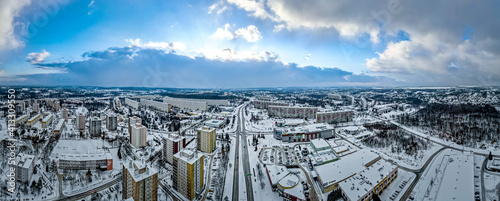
{"x": 132, "y": 103}
{"x": 47, "y": 120}
{"x": 189, "y": 104}
{"x": 111, "y": 122}
{"x": 334, "y": 116}
{"x": 33, "y": 120}
{"x": 95, "y": 127}
{"x": 24, "y": 167}
{"x": 171, "y": 145}
{"x": 292, "y": 112}
{"x": 215, "y": 123}
{"x": 65, "y": 114}
{"x": 132, "y": 121}
{"x": 304, "y": 133}
{"x": 162, "y": 106}
{"x": 335, "y": 96}
{"x": 80, "y": 122}
{"x": 140, "y": 182}
{"x": 59, "y": 127}
{"x": 92, "y": 161}
{"x": 21, "y": 119}
{"x": 188, "y": 173}
{"x": 206, "y": 139}
{"x": 264, "y": 104}
{"x": 138, "y": 136}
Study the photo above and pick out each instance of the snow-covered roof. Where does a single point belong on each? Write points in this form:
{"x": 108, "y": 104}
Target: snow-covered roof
{"x": 458, "y": 179}
{"x": 364, "y": 181}
{"x": 85, "y": 157}
{"x": 47, "y": 118}
{"x": 347, "y": 166}
{"x": 340, "y": 149}
{"x": 140, "y": 175}
{"x": 188, "y": 155}
{"x": 319, "y": 143}
{"x": 276, "y": 173}
{"x": 307, "y": 128}
{"x": 24, "y": 160}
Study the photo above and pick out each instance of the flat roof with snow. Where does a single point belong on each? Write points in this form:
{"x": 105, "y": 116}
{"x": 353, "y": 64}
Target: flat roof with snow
{"x": 344, "y": 168}
{"x": 307, "y": 128}
{"x": 458, "y": 179}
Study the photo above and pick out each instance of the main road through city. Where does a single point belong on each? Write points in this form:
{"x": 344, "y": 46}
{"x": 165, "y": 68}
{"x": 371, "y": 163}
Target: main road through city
{"x": 241, "y": 133}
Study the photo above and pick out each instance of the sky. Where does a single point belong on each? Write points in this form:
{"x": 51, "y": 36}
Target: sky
{"x": 247, "y": 43}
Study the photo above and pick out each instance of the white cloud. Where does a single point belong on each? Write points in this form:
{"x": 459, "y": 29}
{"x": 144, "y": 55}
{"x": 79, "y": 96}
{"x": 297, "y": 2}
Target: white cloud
{"x": 308, "y": 56}
{"x": 223, "y": 33}
{"x": 8, "y": 11}
{"x": 436, "y": 38}
{"x": 250, "y": 33}
{"x": 229, "y": 54}
{"x": 278, "y": 28}
{"x": 257, "y": 9}
{"x": 175, "y": 46}
{"x": 37, "y": 57}
{"x": 91, "y": 6}
{"x": 218, "y": 7}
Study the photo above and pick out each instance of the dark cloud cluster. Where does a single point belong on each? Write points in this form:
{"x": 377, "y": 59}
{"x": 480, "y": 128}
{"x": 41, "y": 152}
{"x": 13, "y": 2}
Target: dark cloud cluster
{"x": 149, "y": 67}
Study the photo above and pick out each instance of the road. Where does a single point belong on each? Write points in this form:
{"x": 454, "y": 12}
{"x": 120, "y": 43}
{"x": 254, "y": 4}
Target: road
{"x": 83, "y": 195}
{"x": 236, "y": 180}
{"x": 418, "y": 174}
{"x": 246, "y": 164}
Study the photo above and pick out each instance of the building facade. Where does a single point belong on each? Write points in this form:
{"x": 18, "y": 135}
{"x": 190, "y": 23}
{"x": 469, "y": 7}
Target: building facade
{"x": 304, "y": 133}
{"x": 172, "y": 144}
{"x": 292, "y": 112}
{"x": 165, "y": 107}
{"x": 102, "y": 161}
{"x": 206, "y": 139}
{"x": 188, "y": 173}
{"x": 264, "y": 104}
{"x": 189, "y": 104}
{"x": 111, "y": 122}
{"x": 139, "y": 135}
{"x": 139, "y": 182}
{"x": 80, "y": 122}
{"x": 95, "y": 127}
{"x": 24, "y": 167}
{"x": 334, "y": 116}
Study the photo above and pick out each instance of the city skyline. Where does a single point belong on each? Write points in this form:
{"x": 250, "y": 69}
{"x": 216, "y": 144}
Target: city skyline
{"x": 244, "y": 44}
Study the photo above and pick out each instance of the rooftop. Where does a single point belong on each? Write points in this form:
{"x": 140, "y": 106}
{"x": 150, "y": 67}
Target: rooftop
{"x": 188, "y": 155}
{"x": 347, "y": 166}
{"x": 364, "y": 181}
{"x": 307, "y": 128}
{"x": 24, "y": 160}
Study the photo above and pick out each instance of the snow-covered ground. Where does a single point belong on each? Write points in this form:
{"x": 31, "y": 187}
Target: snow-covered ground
{"x": 450, "y": 176}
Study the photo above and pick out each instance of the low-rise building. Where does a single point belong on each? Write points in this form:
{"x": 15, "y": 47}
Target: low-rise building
{"x": 59, "y": 127}
{"x": 102, "y": 161}
{"x": 47, "y": 120}
{"x": 33, "y": 120}
{"x": 304, "y": 133}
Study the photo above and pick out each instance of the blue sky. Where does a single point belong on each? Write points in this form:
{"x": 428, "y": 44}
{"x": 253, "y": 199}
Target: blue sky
{"x": 246, "y": 43}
